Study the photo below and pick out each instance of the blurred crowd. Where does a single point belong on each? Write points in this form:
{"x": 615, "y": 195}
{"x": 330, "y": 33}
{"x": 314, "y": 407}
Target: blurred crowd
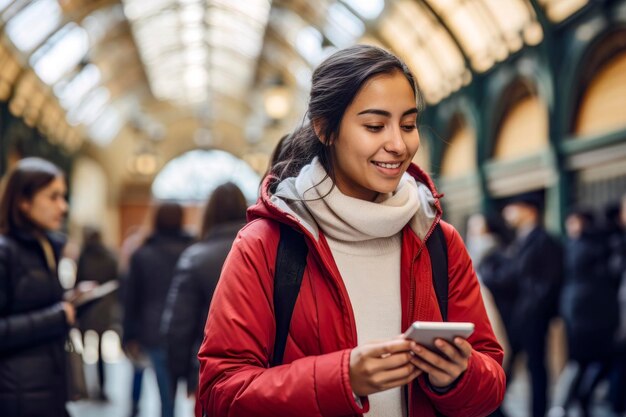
{"x": 533, "y": 277}
{"x": 168, "y": 278}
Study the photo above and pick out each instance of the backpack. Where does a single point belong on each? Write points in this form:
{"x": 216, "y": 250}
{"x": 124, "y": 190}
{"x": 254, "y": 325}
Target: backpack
{"x": 290, "y": 265}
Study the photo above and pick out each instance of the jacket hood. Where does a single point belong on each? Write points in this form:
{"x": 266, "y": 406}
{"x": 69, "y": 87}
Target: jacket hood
{"x": 285, "y": 205}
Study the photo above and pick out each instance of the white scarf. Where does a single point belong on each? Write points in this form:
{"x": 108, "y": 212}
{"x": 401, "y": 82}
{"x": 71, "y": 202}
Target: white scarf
{"x": 350, "y": 219}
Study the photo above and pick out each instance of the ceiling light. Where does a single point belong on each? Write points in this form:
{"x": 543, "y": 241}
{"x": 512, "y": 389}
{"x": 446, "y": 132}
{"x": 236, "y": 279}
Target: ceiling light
{"x": 277, "y": 99}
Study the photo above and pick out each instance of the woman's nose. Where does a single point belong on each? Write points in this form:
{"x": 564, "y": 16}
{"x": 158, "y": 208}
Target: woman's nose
{"x": 395, "y": 142}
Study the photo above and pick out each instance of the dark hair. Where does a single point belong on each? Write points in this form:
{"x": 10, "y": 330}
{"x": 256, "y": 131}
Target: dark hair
{"x": 335, "y": 84}
{"x": 168, "y": 218}
{"x": 91, "y": 235}
{"x": 280, "y": 152}
{"x": 28, "y": 177}
{"x": 585, "y": 215}
{"x": 497, "y": 226}
{"x": 226, "y": 204}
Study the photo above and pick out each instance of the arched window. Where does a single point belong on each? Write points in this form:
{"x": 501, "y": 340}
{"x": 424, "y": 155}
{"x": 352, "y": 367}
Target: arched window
{"x": 459, "y": 158}
{"x": 600, "y": 169}
{"x": 521, "y": 155}
{"x": 602, "y": 105}
{"x": 523, "y": 129}
{"x": 194, "y": 175}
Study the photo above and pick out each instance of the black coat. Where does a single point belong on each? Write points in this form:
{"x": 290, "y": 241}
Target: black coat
{"x": 188, "y": 301}
{"x": 97, "y": 263}
{"x": 526, "y": 282}
{"x": 33, "y": 329}
{"x": 588, "y": 300}
{"x": 147, "y": 284}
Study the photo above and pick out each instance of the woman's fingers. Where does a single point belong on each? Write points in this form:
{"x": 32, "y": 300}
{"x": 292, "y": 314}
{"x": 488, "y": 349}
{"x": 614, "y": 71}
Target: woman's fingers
{"x": 389, "y": 347}
{"x": 428, "y": 368}
{"x": 445, "y": 367}
{"x": 450, "y": 351}
{"x": 393, "y": 361}
{"x": 379, "y": 366}
{"x": 396, "y": 377}
{"x": 430, "y": 362}
{"x": 464, "y": 346}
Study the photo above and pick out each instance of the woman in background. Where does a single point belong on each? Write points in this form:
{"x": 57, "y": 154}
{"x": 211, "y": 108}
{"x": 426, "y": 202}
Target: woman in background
{"x": 195, "y": 279}
{"x": 34, "y": 319}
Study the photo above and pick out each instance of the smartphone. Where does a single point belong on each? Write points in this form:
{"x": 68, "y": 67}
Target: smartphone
{"x": 425, "y": 332}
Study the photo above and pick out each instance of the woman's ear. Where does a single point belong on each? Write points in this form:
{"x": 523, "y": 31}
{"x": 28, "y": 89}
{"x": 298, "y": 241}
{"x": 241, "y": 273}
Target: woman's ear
{"x": 318, "y": 128}
{"x": 24, "y": 205}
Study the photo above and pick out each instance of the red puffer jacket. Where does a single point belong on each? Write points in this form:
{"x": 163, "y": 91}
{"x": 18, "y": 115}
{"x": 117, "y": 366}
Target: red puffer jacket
{"x": 235, "y": 378}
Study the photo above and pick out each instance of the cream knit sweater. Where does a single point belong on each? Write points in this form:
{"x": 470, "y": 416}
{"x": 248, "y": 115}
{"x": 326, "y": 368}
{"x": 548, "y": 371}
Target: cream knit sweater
{"x": 365, "y": 240}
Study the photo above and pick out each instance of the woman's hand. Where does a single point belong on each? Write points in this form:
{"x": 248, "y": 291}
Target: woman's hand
{"x": 74, "y": 294}
{"x": 70, "y": 313}
{"x": 444, "y": 368}
{"x": 380, "y": 366}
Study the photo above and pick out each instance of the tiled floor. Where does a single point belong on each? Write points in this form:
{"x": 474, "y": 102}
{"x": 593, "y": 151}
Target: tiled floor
{"x": 118, "y": 389}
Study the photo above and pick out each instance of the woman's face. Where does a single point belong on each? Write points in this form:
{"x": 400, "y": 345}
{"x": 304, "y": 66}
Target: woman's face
{"x": 377, "y": 139}
{"x": 48, "y": 206}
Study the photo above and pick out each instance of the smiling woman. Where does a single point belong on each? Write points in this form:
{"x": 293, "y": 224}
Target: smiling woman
{"x": 344, "y": 181}
{"x": 376, "y": 145}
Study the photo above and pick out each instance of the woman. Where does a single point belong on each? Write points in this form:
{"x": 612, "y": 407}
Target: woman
{"x": 34, "y": 319}
{"x": 195, "y": 279}
{"x": 366, "y": 211}
{"x": 97, "y": 265}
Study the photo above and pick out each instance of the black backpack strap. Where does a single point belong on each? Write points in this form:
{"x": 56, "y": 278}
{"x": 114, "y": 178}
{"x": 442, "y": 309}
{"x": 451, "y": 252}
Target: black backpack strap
{"x": 438, "y": 251}
{"x": 288, "y": 273}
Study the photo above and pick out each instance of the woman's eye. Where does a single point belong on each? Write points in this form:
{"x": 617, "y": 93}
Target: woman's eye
{"x": 409, "y": 128}
{"x": 373, "y": 128}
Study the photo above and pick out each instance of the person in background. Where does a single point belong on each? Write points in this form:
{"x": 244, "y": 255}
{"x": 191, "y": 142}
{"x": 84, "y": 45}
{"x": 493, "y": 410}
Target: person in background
{"x": 496, "y": 238}
{"x": 134, "y": 237}
{"x": 149, "y": 278}
{"x": 195, "y": 279}
{"x": 348, "y": 186}
{"x": 617, "y": 270}
{"x": 589, "y": 309}
{"x": 487, "y": 240}
{"x": 535, "y": 265}
{"x": 97, "y": 263}
{"x": 34, "y": 318}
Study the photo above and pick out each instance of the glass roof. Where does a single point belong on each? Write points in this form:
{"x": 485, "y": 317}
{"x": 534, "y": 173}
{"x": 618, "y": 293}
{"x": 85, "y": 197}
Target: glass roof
{"x": 343, "y": 28}
{"x": 428, "y": 48}
{"x": 444, "y": 41}
{"x": 369, "y": 10}
{"x": 71, "y": 92}
{"x": 195, "y": 52}
{"x": 60, "y": 53}
{"x": 34, "y": 23}
{"x": 181, "y": 36}
{"x": 4, "y": 4}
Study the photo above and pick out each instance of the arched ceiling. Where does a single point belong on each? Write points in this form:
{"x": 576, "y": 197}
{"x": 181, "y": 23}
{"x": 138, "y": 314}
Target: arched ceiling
{"x": 193, "y": 72}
